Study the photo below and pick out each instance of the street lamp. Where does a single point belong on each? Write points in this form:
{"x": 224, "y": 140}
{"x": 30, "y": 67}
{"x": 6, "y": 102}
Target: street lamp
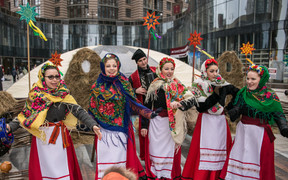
{"x": 92, "y": 13}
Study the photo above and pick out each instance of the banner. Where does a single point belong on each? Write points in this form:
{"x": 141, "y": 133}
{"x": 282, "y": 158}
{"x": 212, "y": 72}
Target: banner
{"x": 179, "y": 52}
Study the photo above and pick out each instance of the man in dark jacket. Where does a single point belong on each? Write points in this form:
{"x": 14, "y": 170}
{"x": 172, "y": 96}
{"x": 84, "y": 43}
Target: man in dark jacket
{"x": 14, "y": 74}
{"x": 140, "y": 81}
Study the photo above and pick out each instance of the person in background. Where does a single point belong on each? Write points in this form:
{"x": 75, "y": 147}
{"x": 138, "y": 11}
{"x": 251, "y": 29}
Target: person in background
{"x": 24, "y": 71}
{"x": 252, "y": 153}
{"x": 49, "y": 112}
{"x": 14, "y": 74}
{"x": 8, "y": 70}
{"x": 140, "y": 81}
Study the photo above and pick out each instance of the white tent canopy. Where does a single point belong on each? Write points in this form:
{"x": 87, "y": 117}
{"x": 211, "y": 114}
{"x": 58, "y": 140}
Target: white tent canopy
{"x": 183, "y": 71}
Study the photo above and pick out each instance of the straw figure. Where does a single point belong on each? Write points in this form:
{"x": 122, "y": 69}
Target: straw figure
{"x": 83, "y": 71}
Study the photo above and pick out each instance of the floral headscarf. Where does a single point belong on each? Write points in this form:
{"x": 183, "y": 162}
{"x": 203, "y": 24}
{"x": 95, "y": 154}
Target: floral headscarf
{"x": 113, "y": 98}
{"x": 174, "y": 90}
{"x": 39, "y": 100}
{"x": 202, "y": 87}
{"x": 261, "y": 99}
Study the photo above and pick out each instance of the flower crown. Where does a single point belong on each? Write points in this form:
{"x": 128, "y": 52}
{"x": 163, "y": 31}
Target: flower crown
{"x": 209, "y": 61}
{"x": 111, "y": 55}
{"x": 46, "y": 65}
{"x": 257, "y": 68}
{"x": 166, "y": 60}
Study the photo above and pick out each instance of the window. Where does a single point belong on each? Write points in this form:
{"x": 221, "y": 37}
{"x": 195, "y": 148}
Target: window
{"x": 158, "y": 4}
{"x": 24, "y": 2}
{"x": 107, "y": 12}
{"x": 128, "y": 12}
{"x": 36, "y": 2}
{"x": 169, "y": 6}
{"x": 147, "y": 4}
{"x": 38, "y": 11}
{"x": 57, "y": 11}
{"x": 109, "y": 2}
{"x": 16, "y": 3}
{"x": 128, "y": 1}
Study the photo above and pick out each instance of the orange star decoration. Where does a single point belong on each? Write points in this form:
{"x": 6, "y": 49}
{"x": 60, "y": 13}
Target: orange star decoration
{"x": 195, "y": 39}
{"x": 151, "y": 20}
{"x": 56, "y": 60}
{"x": 247, "y": 48}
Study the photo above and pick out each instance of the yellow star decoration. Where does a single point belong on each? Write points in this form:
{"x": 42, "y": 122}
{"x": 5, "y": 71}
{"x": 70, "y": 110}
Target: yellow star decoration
{"x": 151, "y": 20}
{"x": 247, "y": 48}
{"x": 55, "y": 59}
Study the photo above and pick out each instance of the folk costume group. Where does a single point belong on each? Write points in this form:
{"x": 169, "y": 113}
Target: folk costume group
{"x": 163, "y": 104}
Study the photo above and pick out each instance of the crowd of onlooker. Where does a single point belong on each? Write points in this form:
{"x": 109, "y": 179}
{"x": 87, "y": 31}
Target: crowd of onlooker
{"x": 16, "y": 73}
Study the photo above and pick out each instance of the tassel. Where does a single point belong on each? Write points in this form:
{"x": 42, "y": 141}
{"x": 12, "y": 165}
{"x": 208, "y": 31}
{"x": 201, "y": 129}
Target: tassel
{"x": 204, "y": 52}
{"x": 249, "y": 61}
{"x": 37, "y": 31}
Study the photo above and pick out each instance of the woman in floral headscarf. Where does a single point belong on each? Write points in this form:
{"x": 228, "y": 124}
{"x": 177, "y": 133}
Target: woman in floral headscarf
{"x": 252, "y": 154}
{"x": 168, "y": 130}
{"x": 111, "y": 102}
{"x": 211, "y": 139}
{"x": 48, "y": 113}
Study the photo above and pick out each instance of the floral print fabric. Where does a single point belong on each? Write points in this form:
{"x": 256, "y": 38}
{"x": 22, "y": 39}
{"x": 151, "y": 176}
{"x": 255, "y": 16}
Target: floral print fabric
{"x": 39, "y": 100}
{"x": 112, "y": 99}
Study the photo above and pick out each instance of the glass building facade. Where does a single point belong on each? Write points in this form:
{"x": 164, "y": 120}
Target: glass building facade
{"x": 224, "y": 25}
{"x": 227, "y": 24}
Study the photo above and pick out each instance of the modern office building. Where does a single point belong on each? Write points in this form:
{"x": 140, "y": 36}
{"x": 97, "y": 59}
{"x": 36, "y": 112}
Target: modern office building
{"x": 102, "y": 9}
{"x": 227, "y": 24}
{"x": 224, "y": 25}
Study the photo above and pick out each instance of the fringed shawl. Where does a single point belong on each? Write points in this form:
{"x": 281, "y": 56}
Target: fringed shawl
{"x": 202, "y": 89}
{"x": 112, "y": 99}
{"x": 39, "y": 100}
{"x": 174, "y": 91}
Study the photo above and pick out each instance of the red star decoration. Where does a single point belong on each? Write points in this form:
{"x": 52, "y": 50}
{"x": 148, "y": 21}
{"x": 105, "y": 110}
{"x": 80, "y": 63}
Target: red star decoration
{"x": 56, "y": 60}
{"x": 151, "y": 20}
{"x": 247, "y": 48}
{"x": 195, "y": 39}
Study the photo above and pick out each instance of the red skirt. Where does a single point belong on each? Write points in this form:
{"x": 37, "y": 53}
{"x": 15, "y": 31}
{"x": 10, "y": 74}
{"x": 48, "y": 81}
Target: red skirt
{"x": 191, "y": 170}
{"x": 34, "y": 163}
{"x": 267, "y": 167}
{"x": 141, "y": 141}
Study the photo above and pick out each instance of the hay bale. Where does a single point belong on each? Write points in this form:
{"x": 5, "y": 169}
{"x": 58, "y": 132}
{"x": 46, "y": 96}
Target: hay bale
{"x": 80, "y": 138}
{"x": 191, "y": 122}
{"x": 7, "y": 102}
{"x": 235, "y": 75}
{"x": 78, "y": 82}
{"x": 136, "y": 125}
{"x": 19, "y": 106}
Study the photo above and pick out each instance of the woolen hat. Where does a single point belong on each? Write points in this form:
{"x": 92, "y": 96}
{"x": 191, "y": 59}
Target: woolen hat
{"x": 138, "y": 55}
